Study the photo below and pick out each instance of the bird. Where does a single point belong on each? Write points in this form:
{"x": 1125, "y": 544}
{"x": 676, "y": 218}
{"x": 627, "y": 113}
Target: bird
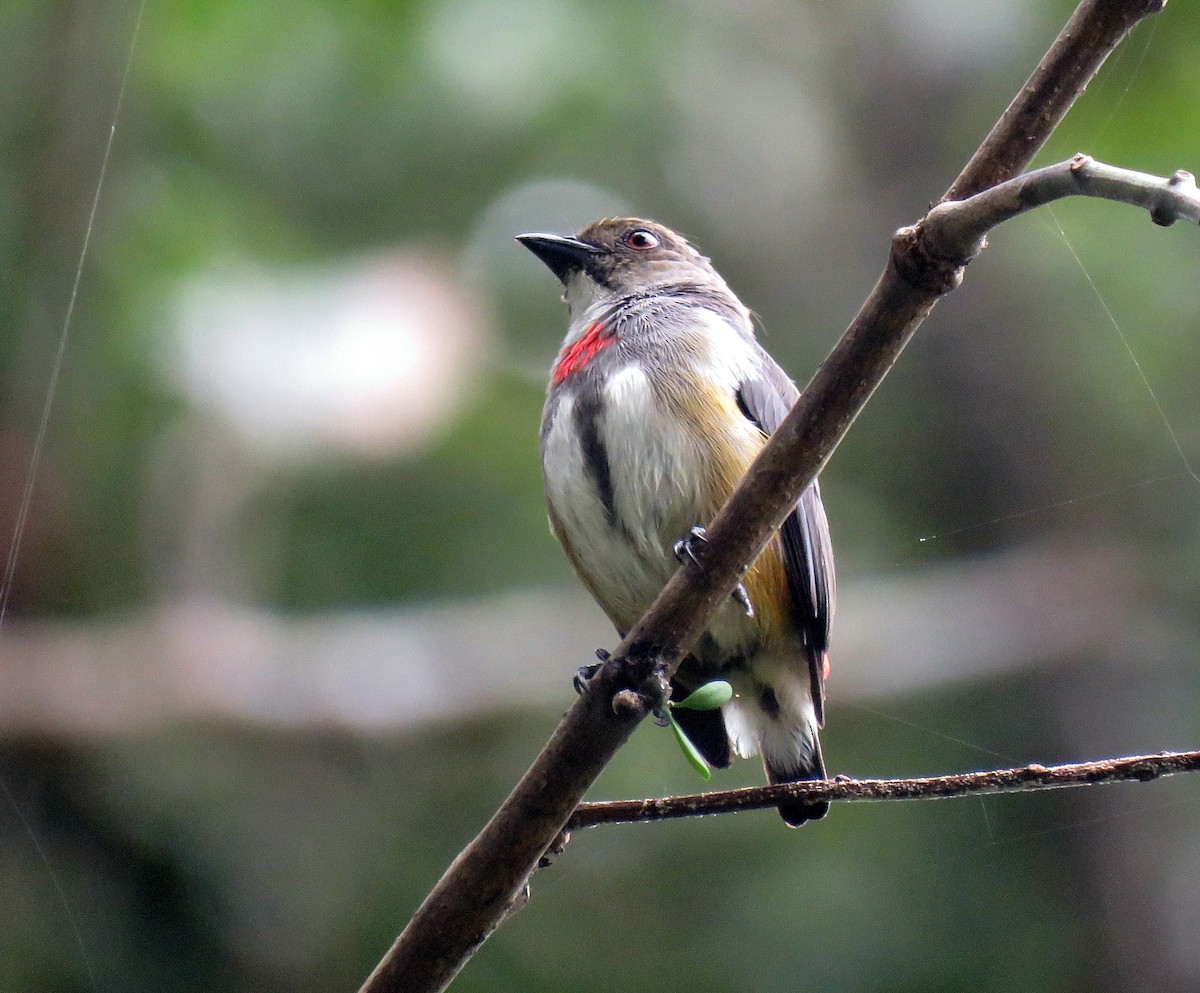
{"x": 659, "y": 399}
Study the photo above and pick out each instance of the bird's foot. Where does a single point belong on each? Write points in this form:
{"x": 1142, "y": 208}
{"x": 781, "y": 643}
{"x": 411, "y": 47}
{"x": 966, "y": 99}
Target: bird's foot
{"x": 641, "y": 695}
{"x": 685, "y": 548}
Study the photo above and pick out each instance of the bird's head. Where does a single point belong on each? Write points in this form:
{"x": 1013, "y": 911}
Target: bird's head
{"x": 618, "y": 257}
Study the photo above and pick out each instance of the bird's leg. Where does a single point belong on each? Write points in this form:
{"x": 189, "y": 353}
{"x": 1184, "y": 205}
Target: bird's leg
{"x": 685, "y": 548}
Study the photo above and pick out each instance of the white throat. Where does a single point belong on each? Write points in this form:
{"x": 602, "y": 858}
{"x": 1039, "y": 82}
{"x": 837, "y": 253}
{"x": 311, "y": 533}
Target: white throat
{"x": 586, "y": 301}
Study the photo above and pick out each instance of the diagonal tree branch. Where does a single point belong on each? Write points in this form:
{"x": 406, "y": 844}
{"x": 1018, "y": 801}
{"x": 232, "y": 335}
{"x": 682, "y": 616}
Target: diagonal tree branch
{"x": 481, "y": 885}
{"x": 1027, "y": 779}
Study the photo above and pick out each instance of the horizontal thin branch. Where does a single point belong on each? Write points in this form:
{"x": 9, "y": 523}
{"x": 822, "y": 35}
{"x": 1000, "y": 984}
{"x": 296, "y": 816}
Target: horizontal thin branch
{"x": 1030, "y": 778}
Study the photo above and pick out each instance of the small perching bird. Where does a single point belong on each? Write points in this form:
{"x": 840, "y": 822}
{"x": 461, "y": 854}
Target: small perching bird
{"x": 659, "y": 400}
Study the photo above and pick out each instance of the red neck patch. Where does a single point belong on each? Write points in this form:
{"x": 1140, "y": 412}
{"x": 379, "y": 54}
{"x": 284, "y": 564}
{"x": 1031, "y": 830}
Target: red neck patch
{"x": 593, "y": 341}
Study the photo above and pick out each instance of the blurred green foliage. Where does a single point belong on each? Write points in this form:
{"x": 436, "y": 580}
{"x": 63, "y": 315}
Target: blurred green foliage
{"x": 788, "y": 140}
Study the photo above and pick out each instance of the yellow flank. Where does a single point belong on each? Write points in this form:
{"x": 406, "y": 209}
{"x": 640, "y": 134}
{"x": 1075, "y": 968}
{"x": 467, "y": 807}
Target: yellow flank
{"x": 728, "y": 443}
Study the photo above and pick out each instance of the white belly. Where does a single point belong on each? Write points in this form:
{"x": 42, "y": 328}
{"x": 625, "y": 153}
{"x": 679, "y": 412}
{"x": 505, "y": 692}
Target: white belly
{"x": 655, "y": 467}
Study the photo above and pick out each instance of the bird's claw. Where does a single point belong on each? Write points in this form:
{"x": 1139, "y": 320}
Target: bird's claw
{"x": 586, "y": 672}
{"x": 742, "y": 599}
{"x": 685, "y": 548}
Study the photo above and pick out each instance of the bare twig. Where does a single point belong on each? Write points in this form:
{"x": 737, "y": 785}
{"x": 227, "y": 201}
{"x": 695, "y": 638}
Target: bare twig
{"x": 1027, "y": 779}
{"x": 956, "y": 229}
{"x": 476, "y": 892}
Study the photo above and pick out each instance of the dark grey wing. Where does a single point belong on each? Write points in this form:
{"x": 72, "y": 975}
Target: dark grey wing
{"x": 807, "y": 551}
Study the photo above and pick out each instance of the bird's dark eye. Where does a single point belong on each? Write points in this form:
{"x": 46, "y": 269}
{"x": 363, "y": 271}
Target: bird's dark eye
{"x": 641, "y": 240}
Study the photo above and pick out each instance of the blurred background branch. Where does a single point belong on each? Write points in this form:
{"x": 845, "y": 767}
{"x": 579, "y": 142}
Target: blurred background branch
{"x": 368, "y": 670}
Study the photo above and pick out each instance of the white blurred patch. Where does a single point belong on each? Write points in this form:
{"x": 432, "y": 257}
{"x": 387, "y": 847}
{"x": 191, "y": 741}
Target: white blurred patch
{"x": 510, "y": 58}
{"x": 366, "y": 357}
{"x": 559, "y": 206}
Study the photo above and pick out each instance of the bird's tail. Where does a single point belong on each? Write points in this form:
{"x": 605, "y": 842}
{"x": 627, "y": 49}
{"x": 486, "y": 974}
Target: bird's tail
{"x": 806, "y": 765}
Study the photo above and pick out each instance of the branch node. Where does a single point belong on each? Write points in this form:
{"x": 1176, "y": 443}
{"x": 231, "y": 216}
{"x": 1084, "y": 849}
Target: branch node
{"x": 915, "y": 261}
{"x": 630, "y": 704}
{"x": 1079, "y": 162}
{"x": 1164, "y": 212}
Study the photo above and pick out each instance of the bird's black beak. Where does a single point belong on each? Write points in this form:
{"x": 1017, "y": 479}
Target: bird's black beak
{"x": 563, "y": 255}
